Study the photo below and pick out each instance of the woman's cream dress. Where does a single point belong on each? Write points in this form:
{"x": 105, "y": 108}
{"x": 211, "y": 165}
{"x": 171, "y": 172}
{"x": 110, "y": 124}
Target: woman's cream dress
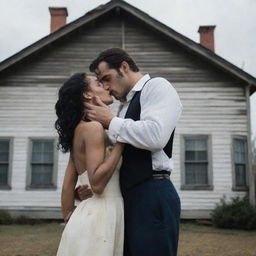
{"x": 96, "y": 227}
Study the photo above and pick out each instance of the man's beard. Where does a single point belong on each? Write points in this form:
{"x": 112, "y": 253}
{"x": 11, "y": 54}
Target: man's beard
{"x": 122, "y": 99}
{"x": 120, "y": 77}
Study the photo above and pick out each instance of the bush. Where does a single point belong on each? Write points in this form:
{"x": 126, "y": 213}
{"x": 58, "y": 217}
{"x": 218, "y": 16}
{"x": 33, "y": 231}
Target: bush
{"x": 5, "y": 217}
{"x": 238, "y": 214}
{"x": 25, "y": 220}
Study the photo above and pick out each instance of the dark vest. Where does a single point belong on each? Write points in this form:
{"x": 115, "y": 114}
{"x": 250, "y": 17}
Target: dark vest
{"x": 137, "y": 163}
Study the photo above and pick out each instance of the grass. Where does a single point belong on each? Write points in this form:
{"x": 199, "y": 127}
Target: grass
{"x": 198, "y": 240}
{"x": 195, "y": 240}
{"x": 30, "y": 240}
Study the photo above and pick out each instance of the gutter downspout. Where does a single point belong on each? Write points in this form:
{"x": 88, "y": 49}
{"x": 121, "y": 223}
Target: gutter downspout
{"x": 251, "y": 174}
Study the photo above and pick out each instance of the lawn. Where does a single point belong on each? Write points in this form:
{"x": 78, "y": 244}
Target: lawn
{"x": 198, "y": 240}
{"x": 195, "y": 240}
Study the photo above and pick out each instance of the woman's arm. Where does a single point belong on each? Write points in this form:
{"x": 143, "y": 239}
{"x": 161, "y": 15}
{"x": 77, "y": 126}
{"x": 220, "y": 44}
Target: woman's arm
{"x": 99, "y": 169}
{"x": 68, "y": 190}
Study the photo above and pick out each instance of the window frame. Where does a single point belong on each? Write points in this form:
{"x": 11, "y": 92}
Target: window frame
{"x": 55, "y": 164}
{"x": 10, "y": 163}
{"x": 234, "y": 186}
{"x": 185, "y": 186}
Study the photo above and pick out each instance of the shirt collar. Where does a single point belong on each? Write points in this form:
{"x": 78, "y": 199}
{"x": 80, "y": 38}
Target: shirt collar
{"x": 137, "y": 87}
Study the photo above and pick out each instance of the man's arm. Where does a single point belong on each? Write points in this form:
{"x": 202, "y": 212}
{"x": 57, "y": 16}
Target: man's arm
{"x": 160, "y": 110}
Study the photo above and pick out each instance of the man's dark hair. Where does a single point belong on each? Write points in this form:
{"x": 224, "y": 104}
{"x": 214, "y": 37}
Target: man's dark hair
{"x": 114, "y": 58}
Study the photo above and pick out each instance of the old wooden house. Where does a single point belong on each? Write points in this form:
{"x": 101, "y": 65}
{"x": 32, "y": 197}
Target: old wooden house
{"x": 212, "y": 144}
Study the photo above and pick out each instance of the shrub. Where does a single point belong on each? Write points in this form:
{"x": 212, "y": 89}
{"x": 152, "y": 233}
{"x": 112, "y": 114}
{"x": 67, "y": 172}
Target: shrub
{"x": 238, "y": 214}
{"x": 5, "y": 217}
{"x": 26, "y": 220}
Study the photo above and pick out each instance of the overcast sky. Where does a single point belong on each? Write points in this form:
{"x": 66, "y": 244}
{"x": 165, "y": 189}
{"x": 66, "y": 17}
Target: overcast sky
{"x": 23, "y": 22}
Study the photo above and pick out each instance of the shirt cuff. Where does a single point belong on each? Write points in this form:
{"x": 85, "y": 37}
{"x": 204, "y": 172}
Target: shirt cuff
{"x": 115, "y": 126}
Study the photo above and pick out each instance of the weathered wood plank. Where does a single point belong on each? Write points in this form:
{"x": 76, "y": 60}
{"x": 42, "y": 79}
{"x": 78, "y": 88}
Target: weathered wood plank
{"x": 213, "y": 104}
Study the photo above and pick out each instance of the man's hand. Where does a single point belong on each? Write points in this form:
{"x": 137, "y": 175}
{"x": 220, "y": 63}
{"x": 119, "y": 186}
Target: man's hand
{"x": 83, "y": 192}
{"x": 100, "y": 113}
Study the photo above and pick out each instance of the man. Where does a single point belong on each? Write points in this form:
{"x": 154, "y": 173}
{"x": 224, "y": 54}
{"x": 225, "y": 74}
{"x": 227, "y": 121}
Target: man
{"x": 149, "y": 111}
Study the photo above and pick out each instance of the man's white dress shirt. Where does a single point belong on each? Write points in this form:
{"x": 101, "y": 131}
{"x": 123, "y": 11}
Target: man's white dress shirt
{"x": 160, "y": 111}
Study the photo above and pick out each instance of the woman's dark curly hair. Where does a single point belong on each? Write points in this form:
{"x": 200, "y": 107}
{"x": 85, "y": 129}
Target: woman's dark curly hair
{"x": 70, "y": 109}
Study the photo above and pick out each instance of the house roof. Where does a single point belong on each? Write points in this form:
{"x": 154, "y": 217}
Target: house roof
{"x": 192, "y": 46}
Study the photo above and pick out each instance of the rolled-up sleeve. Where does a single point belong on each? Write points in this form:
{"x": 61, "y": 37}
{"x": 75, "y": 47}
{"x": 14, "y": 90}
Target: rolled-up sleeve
{"x": 160, "y": 111}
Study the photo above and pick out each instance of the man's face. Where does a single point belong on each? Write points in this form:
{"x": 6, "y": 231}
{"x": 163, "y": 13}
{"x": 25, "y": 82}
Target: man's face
{"x": 116, "y": 83}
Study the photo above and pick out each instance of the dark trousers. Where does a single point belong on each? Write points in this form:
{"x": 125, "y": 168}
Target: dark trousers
{"x": 152, "y": 215}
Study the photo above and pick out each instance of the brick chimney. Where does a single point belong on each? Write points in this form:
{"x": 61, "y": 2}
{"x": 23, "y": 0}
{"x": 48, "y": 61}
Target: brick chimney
{"x": 207, "y": 36}
{"x": 58, "y": 17}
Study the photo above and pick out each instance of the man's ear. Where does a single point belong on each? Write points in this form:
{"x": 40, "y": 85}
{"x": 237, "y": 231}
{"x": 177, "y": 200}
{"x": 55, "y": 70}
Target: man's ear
{"x": 125, "y": 66}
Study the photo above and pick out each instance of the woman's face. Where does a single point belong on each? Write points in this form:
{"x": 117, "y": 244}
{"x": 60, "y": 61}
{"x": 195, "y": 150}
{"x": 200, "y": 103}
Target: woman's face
{"x": 96, "y": 89}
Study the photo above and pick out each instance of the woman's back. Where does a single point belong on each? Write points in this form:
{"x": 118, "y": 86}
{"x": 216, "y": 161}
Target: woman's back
{"x": 96, "y": 227}
{"x": 79, "y": 153}
{"x": 78, "y": 146}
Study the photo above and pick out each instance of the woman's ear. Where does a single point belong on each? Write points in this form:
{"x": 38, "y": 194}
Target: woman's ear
{"x": 88, "y": 95}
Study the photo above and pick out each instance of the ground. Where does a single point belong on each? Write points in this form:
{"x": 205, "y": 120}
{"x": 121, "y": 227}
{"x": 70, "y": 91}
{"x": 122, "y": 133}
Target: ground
{"x": 195, "y": 240}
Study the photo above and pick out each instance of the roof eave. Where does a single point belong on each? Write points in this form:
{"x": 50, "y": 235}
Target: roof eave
{"x": 172, "y": 34}
{"x": 194, "y": 47}
{"x": 55, "y": 35}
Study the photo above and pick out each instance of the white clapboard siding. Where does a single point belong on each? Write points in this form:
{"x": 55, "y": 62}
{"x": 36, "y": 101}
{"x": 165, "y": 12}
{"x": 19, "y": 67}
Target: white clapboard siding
{"x": 214, "y": 104}
{"x": 24, "y": 113}
{"x": 27, "y": 112}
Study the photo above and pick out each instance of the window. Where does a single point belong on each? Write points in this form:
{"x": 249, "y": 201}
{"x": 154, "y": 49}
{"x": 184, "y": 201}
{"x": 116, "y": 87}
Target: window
{"x": 239, "y": 163}
{"x": 196, "y": 164}
{"x": 5, "y": 163}
{"x": 42, "y": 164}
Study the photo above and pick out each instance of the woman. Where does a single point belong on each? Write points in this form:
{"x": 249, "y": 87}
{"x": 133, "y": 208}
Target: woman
{"x": 96, "y": 225}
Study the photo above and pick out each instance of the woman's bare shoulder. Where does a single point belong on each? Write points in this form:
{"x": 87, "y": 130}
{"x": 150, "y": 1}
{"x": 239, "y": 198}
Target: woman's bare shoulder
{"x": 92, "y": 128}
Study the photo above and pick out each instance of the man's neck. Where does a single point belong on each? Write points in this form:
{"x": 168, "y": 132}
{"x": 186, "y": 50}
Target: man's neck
{"x": 135, "y": 78}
